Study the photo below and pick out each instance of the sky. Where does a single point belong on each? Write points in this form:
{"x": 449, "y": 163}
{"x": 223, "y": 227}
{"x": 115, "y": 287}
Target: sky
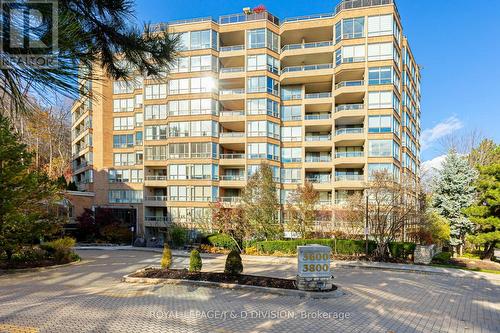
{"x": 456, "y": 42}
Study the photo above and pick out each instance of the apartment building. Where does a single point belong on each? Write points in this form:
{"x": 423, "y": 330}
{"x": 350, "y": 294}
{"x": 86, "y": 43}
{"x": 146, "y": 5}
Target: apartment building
{"x": 326, "y": 98}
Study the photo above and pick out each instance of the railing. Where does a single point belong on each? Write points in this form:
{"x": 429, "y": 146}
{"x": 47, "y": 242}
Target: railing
{"x": 231, "y": 156}
{"x": 352, "y": 4}
{"x": 230, "y": 199}
{"x": 319, "y": 95}
{"x": 325, "y": 137}
{"x": 306, "y": 68}
{"x": 306, "y": 45}
{"x": 308, "y": 17}
{"x": 156, "y": 177}
{"x": 346, "y": 107}
{"x": 237, "y": 18}
{"x": 316, "y": 159}
{"x": 263, "y": 112}
{"x": 80, "y": 166}
{"x": 325, "y": 202}
{"x": 349, "y": 177}
{"x": 225, "y": 113}
{"x": 317, "y": 116}
{"x": 349, "y": 130}
{"x": 155, "y": 158}
{"x": 232, "y": 134}
{"x": 350, "y": 60}
{"x": 290, "y": 180}
{"x": 156, "y": 219}
{"x": 291, "y": 138}
{"x": 345, "y": 154}
{"x": 291, "y": 118}
{"x": 232, "y": 69}
{"x": 233, "y": 177}
{"x": 156, "y": 198}
{"x": 164, "y": 26}
{"x": 232, "y": 48}
{"x": 232, "y": 91}
{"x": 355, "y": 83}
{"x": 320, "y": 179}
{"x": 291, "y": 159}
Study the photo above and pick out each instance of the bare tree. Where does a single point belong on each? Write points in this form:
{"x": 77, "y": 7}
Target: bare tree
{"x": 461, "y": 142}
{"x": 301, "y": 211}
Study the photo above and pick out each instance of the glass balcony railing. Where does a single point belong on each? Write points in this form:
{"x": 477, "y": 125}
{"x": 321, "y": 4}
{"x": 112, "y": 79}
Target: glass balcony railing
{"x": 232, "y": 177}
{"x": 237, "y": 18}
{"x": 316, "y": 159}
{"x": 232, "y": 91}
{"x": 156, "y": 219}
{"x": 344, "y": 154}
{"x": 354, "y": 83}
{"x": 230, "y": 199}
{"x": 232, "y": 156}
{"x": 159, "y": 178}
{"x": 347, "y": 107}
{"x": 317, "y": 116}
{"x": 352, "y": 4}
{"x": 156, "y": 198}
{"x": 319, "y": 179}
{"x": 232, "y": 48}
{"x": 349, "y": 177}
{"x": 305, "y": 68}
{"x": 232, "y": 134}
{"x": 319, "y": 95}
{"x": 232, "y": 69}
{"x": 349, "y": 130}
{"x": 307, "y": 17}
{"x": 232, "y": 113}
{"x": 306, "y": 45}
{"x": 324, "y": 137}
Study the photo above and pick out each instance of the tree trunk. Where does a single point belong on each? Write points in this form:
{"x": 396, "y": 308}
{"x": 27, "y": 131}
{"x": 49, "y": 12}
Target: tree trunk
{"x": 489, "y": 251}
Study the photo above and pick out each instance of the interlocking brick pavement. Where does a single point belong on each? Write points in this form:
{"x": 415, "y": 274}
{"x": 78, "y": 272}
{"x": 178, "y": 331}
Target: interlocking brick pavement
{"x": 90, "y": 298}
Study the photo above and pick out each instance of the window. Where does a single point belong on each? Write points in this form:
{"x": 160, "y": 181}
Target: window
{"x": 396, "y": 126}
{"x": 380, "y": 99}
{"x": 291, "y": 175}
{"x": 200, "y": 149}
{"x": 396, "y": 150}
{"x": 291, "y": 133}
{"x": 155, "y": 111}
{"x": 126, "y": 87}
{"x": 379, "y": 75}
{"x": 256, "y": 38}
{"x": 193, "y": 107}
{"x": 155, "y": 91}
{"x": 155, "y": 153}
{"x": 124, "y": 196}
{"x": 180, "y": 65}
{"x": 201, "y": 171}
{"x": 125, "y": 176}
{"x": 289, "y": 155}
{"x": 201, "y": 63}
{"x": 380, "y": 148}
{"x": 380, "y": 51}
{"x": 180, "y": 86}
{"x": 354, "y": 53}
{"x": 120, "y": 159}
{"x": 272, "y": 41}
{"x": 177, "y": 171}
{"x": 262, "y": 106}
{"x": 157, "y": 132}
{"x": 262, "y": 62}
{"x": 353, "y": 28}
{"x": 293, "y": 112}
{"x": 257, "y": 150}
{"x": 379, "y": 124}
{"x": 123, "y": 123}
{"x": 138, "y": 138}
{"x": 123, "y": 105}
{"x": 139, "y": 119}
{"x": 193, "y": 85}
{"x": 178, "y": 150}
{"x": 291, "y": 92}
{"x": 123, "y": 141}
{"x": 256, "y": 128}
{"x": 200, "y": 40}
{"x": 379, "y": 167}
{"x": 257, "y": 84}
{"x": 380, "y": 25}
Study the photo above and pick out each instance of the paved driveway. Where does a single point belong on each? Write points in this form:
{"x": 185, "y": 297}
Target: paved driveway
{"x": 89, "y": 297}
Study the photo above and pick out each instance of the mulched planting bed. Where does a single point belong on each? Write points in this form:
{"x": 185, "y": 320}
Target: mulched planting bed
{"x": 249, "y": 280}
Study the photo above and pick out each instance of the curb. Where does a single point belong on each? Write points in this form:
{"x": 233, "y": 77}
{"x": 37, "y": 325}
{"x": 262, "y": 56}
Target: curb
{"x": 39, "y": 269}
{"x": 233, "y": 286}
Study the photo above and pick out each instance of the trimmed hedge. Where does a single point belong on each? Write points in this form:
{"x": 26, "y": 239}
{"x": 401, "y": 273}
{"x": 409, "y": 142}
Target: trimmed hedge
{"x": 222, "y": 240}
{"x": 401, "y": 249}
{"x": 340, "y": 246}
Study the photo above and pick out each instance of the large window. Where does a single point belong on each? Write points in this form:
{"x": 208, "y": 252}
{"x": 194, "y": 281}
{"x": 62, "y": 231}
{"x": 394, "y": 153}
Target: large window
{"x": 157, "y": 132}
{"x": 193, "y": 85}
{"x": 380, "y": 148}
{"x": 262, "y": 84}
{"x": 380, "y": 99}
{"x": 262, "y": 106}
{"x": 124, "y": 196}
{"x": 380, "y": 51}
{"x": 292, "y": 112}
{"x": 196, "y": 40}
{"x": 263, "y": 62}
{"x": 192, "y": 107}
{"x": 380, "y": 25}
{"x": 123, "y": 105}
{"x": 289, "y": 155}
{"x": 383, "y": 167}
{"x": 123, "y": 141}
{"x": 379, "y": 75}
{"x": 350, "y": 28}
{"x": 259, "y": 38}
{"x": 155, "y": 91}
{"x": 194, "y": 64}
{"x": 291, "y": 92}
{"x": 155, "y": 153}
{"x": 125, "y": 176}
{"x": 291, "y": 175}
{"x": 291, "y": 133}
{"x": 379, "y": 124}
{"x": 353, "y": 53}
{"x": 155, "y": 112}
{"x": 123, "y": 123}
{"x": 121, "y": 159}
{"x": 263, "y": 150}
{"x": 193, "y": 128}
{"x": 127, "y": 87}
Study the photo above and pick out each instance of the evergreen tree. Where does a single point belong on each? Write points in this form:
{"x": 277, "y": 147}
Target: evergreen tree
{"x": 453, "y": 192}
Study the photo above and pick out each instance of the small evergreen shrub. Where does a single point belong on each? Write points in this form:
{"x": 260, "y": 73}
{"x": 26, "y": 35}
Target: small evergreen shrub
{"x": 442, "y": 258}
{"x": 166, "y": 258}
{"x": 195, "y": 262}
{"x": 234, "y": 265}
{"x": 222, "y": 240}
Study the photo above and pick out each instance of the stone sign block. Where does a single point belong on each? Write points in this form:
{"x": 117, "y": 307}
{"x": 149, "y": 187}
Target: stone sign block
{"x": 314, "y": 267}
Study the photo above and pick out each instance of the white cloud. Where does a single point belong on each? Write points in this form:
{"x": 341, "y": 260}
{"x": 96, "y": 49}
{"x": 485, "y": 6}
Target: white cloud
{"x": 430, "y": 135}
{"x": 433, "y": 165}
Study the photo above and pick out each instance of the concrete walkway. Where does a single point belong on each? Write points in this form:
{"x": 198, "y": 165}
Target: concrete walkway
{"x": 461, "y": 273}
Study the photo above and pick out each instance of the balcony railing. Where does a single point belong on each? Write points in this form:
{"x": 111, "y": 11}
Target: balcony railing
{"x": 325, "y": 137}
{"x": 232, "y": 69}
{"x": 232, "y": 48}
{"x": 316, "y": 159}
{"x": 349, "y": 130}
{"x": 308, "y": 17}
{"x": 354, "y": 83}
{"x": 347, "y": 107}
{"x": 345, "y": 154}
{"x": 232, "y": 91}
{"x": 237, "y": 18}
{"x": 232, "y": 177}
{"x": 317, "y": 116}
{"x": 352, "y": 4}
{"x": 156, "y": 198}
{"x": 160, "y": 178}
{"x": 319, "y": 179}
{"x": 305, "y": 68}
{"x": 230, "y": 199}
{"x": 349, "y": 177}
{"x": 319, "y": 95}
{"x": 156, "y": 219}
{"x": 306, "y": 45}
{"x": 225, "y": 113}
{"x": 231, "y": 156}
{"x": 232, "y": 134}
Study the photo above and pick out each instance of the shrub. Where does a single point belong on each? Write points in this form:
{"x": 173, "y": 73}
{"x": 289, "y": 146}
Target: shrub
{"x": 166, "y": 258}
{"x": 195, "y": 262}
{"x": 179, "y": 236}
{"x": 401, "y": 249}
{"x": 442, "y": 258}
{"x": 339, "y": 246}
{"x": 222, "y": 240}
{"x": 233, "y": 263}
{"x": 61, "y": 249}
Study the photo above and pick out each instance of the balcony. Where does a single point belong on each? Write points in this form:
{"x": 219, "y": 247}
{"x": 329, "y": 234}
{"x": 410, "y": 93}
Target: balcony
{"x": 318, "y": 95}
{"x": 305, "y": 74}
{"x": 306, "y": 46}
{"x": 307, "y": 49}
{"x": 349, "y": 154}
{"x": 349, "y": 107}
{"x": 305, "y": 68}
{"x": 321, "y": 116}
{"x": 321, "y": 137}
{"x": 353, "y": 4}
{"x": 231, "y": 72}
{"x": 156, "y": 221}
{"x": 349, "y": 130}
{"x": 232, "y": 113}
{"x": 319, "y": 179}
{"x": 307, "y": 17}
{"x": 318, "y": 159}
{"x": 232, "y": 178}
{"x": 232, "y": 134}
{"x": 156, "y": 200}
{"x": 230, "y": 201}
{"x": 353, "y": 83}
{"x": 231, "y": 94}
{"x": 232, "y": 48}
{"x": 358, "y": 177}
{"x": 232, "y": 159}
{"x": 238, "y": 18}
